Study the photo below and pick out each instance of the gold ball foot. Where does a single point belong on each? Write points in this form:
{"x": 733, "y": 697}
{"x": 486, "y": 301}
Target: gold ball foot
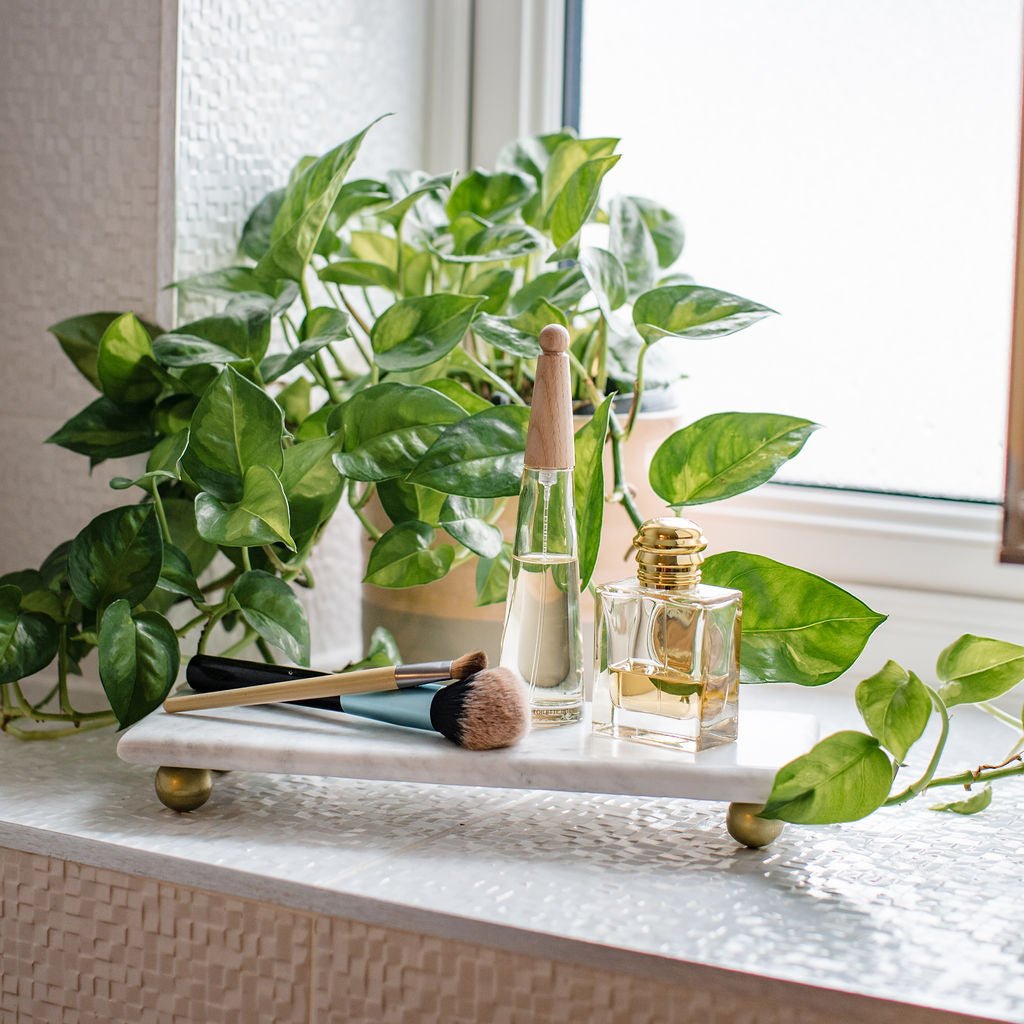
{"x": 183, "y": 789}
{"x": 748, "y": 829}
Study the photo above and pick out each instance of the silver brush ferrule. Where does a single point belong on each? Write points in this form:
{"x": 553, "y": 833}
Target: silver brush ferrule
{"x": 423, "y": 672}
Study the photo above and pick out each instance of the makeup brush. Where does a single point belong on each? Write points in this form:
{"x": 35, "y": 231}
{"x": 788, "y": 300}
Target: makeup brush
{"x": 481, "y": 712}
{"x": 337, "y": 684}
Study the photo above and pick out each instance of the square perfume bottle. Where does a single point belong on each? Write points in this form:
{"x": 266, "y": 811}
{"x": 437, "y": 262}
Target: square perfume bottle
{"x": 667, "y": 646}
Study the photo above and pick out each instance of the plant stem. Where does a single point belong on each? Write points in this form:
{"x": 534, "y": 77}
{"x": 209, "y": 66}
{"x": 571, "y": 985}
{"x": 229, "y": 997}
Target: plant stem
{"x": 1002, "y": 716}
{"x": 983, "y": 773}
{"x": 357, "y": 507}
{"x": 239, "y": 645}
{"x": 245, "y": 560}
{"x": 621, "y": 492}
{"x": 596, "y": 397}
{"x": 160, "y": 513}
{"x": 264, "y": 649}
{"x": 602, "y": 355}
{"x": 925, "y": 781}
{"x": 108, "y": 718}
{"x": 62, "y": 673}
{"x": 499, "y": 382}
{"x": 352, "y": 312}
{"x": 638, "y": 391}
{"x": 191, "y": 624}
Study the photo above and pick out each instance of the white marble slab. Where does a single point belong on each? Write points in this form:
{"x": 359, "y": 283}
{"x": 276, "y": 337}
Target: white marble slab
{"x": 288, "y": 740}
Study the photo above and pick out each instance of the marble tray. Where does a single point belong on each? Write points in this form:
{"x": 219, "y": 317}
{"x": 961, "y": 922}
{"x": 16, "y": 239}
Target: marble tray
{"x": 303, "y": 741}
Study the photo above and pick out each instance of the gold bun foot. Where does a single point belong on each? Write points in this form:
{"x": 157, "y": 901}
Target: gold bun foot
{"x": 183, "y": 789}
{"x": 748, "y": 829}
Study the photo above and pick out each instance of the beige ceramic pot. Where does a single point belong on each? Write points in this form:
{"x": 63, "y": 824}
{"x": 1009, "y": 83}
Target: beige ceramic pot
{"x": 441, "y": 619}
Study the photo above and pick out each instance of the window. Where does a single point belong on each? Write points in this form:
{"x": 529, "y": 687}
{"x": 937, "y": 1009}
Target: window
{"x": 853, "y": 165}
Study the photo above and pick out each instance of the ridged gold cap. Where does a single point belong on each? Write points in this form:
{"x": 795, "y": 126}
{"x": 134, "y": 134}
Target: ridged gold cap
{"x": 669, "y": 553}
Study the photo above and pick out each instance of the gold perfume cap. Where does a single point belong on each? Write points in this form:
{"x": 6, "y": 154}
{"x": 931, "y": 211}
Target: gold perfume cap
{"x": 669, "y": 552}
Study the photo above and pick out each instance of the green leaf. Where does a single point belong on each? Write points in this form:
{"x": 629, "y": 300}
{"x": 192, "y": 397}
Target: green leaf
{"x": 229, "y": 281}
{"x": 495, "y": 284}
{"x": 123, "y": 362}
{"x": 468, "y": 400}
{"x": 562, "y": 289}
{"x": 491, "y": 244}
{"x": 312, "y": 483}
{"x": 236, "y": 425}
{"x": 383, "y": 651}
{"x": 478, "y": 457}
{"x": 256, "y": 235}
{"x": 565, "y": 161}
{"x": 180, "y": 350}
{"x": 408, "y": 194}
{"x": 606, "y": 276}
{"x": 387, "y": 429}
{"x": 403, "y": 557}
{"x": 631, "y": 243}
{"x": 418, "y": 331}
{"x": 322, "y": 326}
{"x": 499, "y": 332}
{"x": 844, "y": 777}
{"x": 690, "y": 311}
{"x": 588, "y": 485}
{"x": 665, "y": 227}
{"x": 270, "y": 606}
{"x": 139, "y": 658}
{"x": 118, "y": 555}
{"x": 491, "y": 196}
{"x": 241, "y": 328}
{"x": 295, "y": 400}
{"x": 971, "y": 805}
{"x": 725, "y": 454}
{"x": 538, "y": 316}
{"x": 79, "y": 337}
{"x": 532, "y": 154}
{"x": 353, "y": 197}
{"x": 797, "y": 627}
{"x": 578, "y": 198}
{"x": 176, "y": 574}
{"x": 260, "y": 516}
{"x": 360, "y": 274}
{"x": 181, "y": 518}
{"x": 492, "y": 577}
{"x": 28, "y": 640}
{"x": 403, "y": 502}
{"x": 307, "y": 203}
{"x": 975, "y": 668}
{"x": 103, "y": 430}
{"x": 463, "y": 519}
{"x": 896, "y": 707}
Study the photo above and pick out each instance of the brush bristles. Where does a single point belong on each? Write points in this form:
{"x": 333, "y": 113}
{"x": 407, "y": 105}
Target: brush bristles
{"x": 469, "y": 664}
{"x": 486, "y": 710}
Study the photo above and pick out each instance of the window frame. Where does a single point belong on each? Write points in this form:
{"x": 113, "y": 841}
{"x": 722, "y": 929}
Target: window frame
{"x": 935, "y": 560}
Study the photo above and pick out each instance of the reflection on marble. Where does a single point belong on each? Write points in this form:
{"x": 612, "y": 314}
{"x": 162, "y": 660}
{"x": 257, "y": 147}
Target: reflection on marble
{"x": 906, "y": 905}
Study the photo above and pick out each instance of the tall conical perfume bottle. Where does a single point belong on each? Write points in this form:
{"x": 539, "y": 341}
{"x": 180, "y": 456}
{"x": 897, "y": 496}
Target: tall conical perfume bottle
{"x": 668, "y": 646}
{"x": 541, "y": 639}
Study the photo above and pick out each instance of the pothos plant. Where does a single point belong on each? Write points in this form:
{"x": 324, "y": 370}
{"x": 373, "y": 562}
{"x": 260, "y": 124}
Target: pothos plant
{"x": 376, "y": 341}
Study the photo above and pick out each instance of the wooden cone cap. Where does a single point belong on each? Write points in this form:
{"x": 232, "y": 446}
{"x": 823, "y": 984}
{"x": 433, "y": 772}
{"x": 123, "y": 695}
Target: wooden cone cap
{"x": 549, "y": 440}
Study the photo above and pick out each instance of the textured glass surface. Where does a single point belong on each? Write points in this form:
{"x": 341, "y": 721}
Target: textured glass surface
{"x": 853, "y": 165}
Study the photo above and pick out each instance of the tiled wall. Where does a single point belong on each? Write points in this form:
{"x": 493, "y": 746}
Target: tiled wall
{"x": 81, "y": 944}
{"x": 85, "y": 225}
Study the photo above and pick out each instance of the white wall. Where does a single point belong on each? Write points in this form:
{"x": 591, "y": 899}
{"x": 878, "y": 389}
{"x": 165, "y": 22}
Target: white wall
{"x": 85, "y": 127}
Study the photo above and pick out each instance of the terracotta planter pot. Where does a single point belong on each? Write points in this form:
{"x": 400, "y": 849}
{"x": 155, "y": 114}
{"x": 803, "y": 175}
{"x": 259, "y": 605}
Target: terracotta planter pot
{"x": 442, "y": 619}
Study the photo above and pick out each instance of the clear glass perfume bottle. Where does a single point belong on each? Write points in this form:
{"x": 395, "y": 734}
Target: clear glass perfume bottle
{"x": 668, "y": 646}
{"x": 541, "y": 639}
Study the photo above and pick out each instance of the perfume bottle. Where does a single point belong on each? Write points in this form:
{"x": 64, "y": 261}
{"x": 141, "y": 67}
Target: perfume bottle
{"x": 667, "y": 646}
{"x": 541, "y": 638}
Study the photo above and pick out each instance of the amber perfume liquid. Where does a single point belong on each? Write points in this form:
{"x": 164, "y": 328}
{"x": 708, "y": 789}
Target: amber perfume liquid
{"x": 541, "y": 639}
{"x": 668, "y": 665}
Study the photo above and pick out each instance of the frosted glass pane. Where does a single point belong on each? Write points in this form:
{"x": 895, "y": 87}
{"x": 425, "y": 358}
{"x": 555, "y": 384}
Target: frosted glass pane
{"x": 852, "y": 164}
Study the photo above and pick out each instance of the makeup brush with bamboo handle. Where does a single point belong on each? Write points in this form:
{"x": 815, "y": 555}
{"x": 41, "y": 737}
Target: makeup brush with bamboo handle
{"x": 338, "y": 684}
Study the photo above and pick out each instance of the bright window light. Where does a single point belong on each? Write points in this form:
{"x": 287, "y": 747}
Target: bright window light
{"x": 852, "y": 164}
